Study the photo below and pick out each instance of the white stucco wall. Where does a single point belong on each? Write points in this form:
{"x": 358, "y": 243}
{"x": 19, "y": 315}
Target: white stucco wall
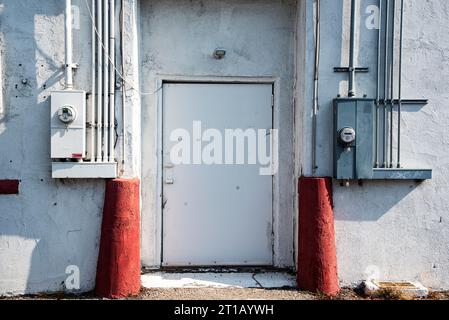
{"x": 398, "y": 230}
{"x": 51, "y": 224}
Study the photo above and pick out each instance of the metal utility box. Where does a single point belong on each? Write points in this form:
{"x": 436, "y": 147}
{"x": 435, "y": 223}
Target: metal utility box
{"x": 354, "y": 138}
{"x": 68, "y": 124}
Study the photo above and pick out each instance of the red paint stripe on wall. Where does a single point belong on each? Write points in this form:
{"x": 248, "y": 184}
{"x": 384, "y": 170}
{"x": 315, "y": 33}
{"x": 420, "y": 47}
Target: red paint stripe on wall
{"x": 9, "y": 186}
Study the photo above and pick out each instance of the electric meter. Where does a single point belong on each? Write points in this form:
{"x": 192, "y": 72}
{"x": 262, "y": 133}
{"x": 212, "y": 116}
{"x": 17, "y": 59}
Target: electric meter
{"x": 347, "y": 135}
{"x": 68, "y": 124}
{"x": 67, "y": 114}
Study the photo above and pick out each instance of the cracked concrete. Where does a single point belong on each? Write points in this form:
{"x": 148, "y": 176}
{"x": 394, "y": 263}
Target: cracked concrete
{"x": 262, "y": 280}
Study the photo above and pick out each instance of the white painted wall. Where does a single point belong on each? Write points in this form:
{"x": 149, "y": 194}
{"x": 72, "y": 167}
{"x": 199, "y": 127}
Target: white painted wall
{"x": 51, "y": 224}
{"x": 178, "y": 38}
{"x": 398, "y": 229}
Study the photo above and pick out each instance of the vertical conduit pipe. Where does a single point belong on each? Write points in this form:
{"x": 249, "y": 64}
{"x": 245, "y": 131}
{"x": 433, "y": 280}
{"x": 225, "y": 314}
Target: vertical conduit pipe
{"x": 100, "y": 81}
{"x": 393, "y": 18}
{"x": 315, "y": 87}
{"x": 122, "y": 48}
{"x": 112, "y": 80}
{"x": 351, "y": 90}
{"x": 93, "y": 97}
{"x": 106, "y": 80}
{"x": 401, "y": 37}
{"x": 385, "y": 130}
{"x": 379, "y": 61}
{"x": 68, "y": 45}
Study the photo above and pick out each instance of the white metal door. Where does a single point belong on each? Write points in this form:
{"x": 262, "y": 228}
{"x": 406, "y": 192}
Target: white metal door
{"x": 215, "y": 214}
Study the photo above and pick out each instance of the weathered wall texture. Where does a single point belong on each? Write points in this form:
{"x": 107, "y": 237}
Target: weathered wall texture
{"x": 51, "y": 224}
{"x": 396, "y": 230}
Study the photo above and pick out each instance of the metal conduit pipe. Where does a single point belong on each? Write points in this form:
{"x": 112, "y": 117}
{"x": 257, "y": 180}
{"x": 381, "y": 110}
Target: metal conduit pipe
{"x": 99, "y": 23}
{"x": 93, "y": 96}
{"x": 105, "y": 155}
{"x": 391, "y": 98}
{"x": 316, "y": 87}
{"x": 401, "y": 39}
{"x": 379, "y": 61}
{"x": 112, "y": 80}
{"x": 122, "y": 53}
{"x": 385, "y": 136}
{"x": 68, "y": 45}
{"x": 351, "y": 90}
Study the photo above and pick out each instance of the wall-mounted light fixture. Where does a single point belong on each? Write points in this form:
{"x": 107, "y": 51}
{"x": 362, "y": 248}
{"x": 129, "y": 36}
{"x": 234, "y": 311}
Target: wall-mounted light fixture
{"x": 219, "y": 53}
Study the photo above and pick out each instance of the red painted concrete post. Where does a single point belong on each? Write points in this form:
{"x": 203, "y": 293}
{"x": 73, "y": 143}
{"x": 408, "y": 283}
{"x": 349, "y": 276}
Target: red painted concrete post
{"x": 118, "y": 269}
{"x": 317, "y": 258}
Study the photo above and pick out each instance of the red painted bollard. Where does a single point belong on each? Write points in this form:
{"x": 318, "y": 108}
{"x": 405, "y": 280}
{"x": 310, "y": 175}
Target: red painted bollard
{"x": 317, "y": 259}
{"x": 118, "y": 269}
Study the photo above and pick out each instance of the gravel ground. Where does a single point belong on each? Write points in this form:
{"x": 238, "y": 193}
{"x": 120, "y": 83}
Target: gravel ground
{"x": 264, "y": 294}
{"x": 236, "y": 294}
{"x": 223, "y": 294}
{"x": 205, "y": 294}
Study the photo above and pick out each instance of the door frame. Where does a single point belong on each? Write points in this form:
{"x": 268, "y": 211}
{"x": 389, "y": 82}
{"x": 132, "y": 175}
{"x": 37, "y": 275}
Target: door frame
{"x": 163, "y": 78}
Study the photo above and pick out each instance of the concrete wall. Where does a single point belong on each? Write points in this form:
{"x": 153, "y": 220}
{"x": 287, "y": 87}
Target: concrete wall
{"x": 51, "y": 224}
{"x": 396, "y": 230}
{"x": 178, "y": 39}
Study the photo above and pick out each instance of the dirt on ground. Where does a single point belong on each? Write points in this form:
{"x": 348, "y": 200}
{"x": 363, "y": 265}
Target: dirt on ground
{"x": 228, "y": 294}
{"x": 224, "y": 294}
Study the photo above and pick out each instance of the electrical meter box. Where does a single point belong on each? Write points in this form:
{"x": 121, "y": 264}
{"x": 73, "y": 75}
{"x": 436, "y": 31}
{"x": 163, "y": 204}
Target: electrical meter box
{"x": 68, "y": 124}
{"x": 354, "y": 138}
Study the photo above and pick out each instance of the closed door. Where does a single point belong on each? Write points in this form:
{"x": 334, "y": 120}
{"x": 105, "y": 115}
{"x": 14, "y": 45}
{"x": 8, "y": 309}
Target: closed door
{"x": 217, "y": 204}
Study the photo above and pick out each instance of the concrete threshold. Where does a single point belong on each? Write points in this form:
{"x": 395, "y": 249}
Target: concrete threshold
{"x": 224, "y": 279}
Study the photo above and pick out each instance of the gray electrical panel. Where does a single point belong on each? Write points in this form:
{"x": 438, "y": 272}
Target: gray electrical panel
{"x": 354, "y": 138}
{"x": 354, "y": 144}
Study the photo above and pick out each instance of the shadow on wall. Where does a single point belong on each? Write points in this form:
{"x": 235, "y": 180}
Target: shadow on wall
{"x": 379, "y": 198}
{"x": 50, "y": 224}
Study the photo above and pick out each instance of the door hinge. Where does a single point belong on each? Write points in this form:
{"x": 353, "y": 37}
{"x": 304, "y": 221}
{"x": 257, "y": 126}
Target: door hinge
{"x": 272, "y": 101}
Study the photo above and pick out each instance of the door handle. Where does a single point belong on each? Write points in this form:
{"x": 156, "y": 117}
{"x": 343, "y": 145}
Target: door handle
{"x": 168, "y": 173}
